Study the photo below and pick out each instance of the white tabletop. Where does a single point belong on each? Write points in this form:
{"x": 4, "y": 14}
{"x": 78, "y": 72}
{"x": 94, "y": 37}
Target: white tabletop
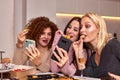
{"x": 86, "y": 78}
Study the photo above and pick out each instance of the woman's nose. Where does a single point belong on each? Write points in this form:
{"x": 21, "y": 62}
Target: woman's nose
{"x": 46, "y": 36}
{"x": 82, "y": 29}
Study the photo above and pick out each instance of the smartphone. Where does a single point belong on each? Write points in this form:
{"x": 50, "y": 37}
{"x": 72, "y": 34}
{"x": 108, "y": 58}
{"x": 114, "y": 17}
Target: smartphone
{"x": 29, "y": 42}
{"x": 63, "y": 43}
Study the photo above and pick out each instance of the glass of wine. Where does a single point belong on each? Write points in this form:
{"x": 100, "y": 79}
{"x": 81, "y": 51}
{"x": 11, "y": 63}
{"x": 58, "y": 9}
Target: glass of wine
{"x": 82, "y": 57}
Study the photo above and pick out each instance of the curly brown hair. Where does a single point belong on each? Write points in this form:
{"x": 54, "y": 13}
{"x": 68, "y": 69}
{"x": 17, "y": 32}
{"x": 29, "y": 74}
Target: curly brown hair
{"x": 36, "y": 27}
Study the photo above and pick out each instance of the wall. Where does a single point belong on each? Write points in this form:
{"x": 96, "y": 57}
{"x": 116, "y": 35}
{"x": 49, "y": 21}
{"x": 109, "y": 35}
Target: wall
{"x": 41, "y": 8}
{"x": 113, "y": 27}
{"x": 102, "y": 7}
{"x": 6, "y": 27}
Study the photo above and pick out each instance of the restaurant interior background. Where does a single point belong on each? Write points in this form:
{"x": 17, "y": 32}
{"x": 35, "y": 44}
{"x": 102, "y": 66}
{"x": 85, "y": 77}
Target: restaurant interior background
{"x": 14, "y": 14}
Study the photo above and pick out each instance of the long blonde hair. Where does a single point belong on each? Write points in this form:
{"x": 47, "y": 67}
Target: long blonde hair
{"x": 100, "y": 23}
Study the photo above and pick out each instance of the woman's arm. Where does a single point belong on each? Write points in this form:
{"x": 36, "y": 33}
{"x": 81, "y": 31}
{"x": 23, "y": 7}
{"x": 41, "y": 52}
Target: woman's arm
{"x": 20, "y": 57}
{"x": 65, "y": 63}
{"x": 54, "y": 67}
{"x": 44, "y": 66}
{"x": 67, "y": 68}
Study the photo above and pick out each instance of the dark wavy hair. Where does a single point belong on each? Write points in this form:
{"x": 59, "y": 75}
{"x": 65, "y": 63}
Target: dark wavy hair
{"x": 36, "y": 27}
{"x": 74, "y": 18}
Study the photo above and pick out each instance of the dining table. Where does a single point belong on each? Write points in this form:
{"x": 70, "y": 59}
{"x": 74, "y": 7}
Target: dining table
{"x": 22, "y": 72}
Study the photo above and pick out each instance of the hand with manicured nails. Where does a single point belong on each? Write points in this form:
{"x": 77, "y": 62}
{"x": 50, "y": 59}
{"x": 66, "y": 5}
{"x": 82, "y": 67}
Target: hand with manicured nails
{"x": 21, "y": 38}
{"x": 62, "y": 57}
{"x": 33, "y": 54}
{"x": 81, "y": 56}
{"x": 78, "y": 46}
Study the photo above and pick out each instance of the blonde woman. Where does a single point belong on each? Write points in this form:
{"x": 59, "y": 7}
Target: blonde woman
{"x": 103, "y": 49}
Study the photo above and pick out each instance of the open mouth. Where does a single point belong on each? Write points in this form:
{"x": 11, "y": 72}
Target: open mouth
{"x": 82, "y": 36}
{"x": 45, "y": 41}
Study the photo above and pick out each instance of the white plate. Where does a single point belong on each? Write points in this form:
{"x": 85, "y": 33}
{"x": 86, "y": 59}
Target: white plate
{"x": 39, "y": 73}
{"x": 3, "y": 71}
{"x": 86, "y": 78}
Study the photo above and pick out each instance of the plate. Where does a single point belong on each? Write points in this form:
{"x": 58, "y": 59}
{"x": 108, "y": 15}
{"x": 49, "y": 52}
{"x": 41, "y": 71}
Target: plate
{"x": 3, "y": 71}
{"x": 86, "y": 78}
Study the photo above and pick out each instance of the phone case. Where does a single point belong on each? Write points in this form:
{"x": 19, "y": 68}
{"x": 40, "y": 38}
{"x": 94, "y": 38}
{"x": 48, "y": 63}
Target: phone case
{"x": 63, "y": 43}
{"x": 29, "y": 42}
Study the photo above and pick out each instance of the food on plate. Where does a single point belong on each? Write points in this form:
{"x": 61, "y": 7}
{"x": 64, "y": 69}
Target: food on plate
{"x": 64, "y": 78}
{"x": 5, "y": 60}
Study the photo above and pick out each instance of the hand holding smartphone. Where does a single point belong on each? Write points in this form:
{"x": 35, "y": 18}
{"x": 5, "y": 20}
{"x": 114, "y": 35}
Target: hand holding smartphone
{"x": 62, "y": 43}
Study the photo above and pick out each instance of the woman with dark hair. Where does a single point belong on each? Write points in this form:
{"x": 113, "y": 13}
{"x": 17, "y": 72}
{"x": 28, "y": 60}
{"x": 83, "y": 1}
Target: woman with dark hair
{"x": 65, "y": 63}
{"x": 42, "y": 31}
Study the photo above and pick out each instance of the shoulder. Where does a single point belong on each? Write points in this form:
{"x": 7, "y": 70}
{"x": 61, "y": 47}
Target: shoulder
{"x": 113, "y": 46}
{"x": 114, "y": 42}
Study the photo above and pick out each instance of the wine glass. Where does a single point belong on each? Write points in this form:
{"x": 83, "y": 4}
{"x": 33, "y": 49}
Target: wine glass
{"x": 82, "y": 57}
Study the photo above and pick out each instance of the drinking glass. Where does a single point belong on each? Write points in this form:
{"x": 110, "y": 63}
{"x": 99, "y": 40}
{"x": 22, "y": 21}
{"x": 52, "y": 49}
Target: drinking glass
{"x": 82, "y": 60}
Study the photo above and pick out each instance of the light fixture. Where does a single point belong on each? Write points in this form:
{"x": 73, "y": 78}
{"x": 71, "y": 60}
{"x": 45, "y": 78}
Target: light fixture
{"x": 72, "y": 15}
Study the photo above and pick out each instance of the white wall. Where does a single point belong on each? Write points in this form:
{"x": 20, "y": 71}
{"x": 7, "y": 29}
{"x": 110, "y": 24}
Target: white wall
{"x": 37, "y": 8}
{"x": 19, "y": 17}
{"x": 6, "y": 27}
{"x": 103, "y": 7}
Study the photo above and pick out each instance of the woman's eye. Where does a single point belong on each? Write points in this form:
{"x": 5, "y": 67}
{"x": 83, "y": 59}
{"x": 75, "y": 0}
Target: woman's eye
{"x": 76, "y": 29}
{"x": 87, "y": 26}
{"x": 69, "y": 26}
{"x": 49, "y": 34}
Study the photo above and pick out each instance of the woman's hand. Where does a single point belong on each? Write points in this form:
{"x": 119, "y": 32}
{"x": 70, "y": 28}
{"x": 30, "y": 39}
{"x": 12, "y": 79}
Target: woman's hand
{"x": 116, "y": 77}
{"x": 78, "y": 47}
{"x": 81, "y": 55}
{"x": 59, "y": 32}
{"x": 34, "y": 55}
{"x": 21, "y": 38}
{"x": 62, "y": 57}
